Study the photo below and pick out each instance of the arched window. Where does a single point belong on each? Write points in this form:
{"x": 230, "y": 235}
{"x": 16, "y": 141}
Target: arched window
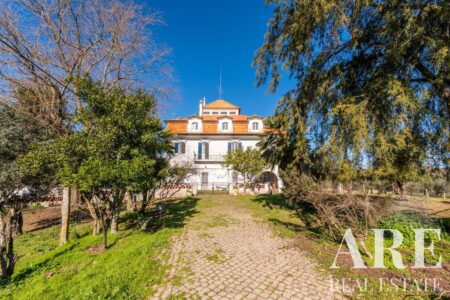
{"x": 194, "y": 126}
{"x": 225, "y": 126}
{"x": 255, "y": 126}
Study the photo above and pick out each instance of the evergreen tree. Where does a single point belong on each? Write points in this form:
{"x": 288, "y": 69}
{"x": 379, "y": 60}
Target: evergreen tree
{"x": 17, "y": 134}
{"x": 373, "y": 85}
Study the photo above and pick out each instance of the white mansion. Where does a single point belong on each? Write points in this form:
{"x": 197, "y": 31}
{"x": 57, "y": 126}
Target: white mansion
{"x": 203, "y": 139}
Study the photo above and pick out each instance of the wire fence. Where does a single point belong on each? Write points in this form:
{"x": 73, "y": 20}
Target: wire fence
{"x": 38, "y": 217}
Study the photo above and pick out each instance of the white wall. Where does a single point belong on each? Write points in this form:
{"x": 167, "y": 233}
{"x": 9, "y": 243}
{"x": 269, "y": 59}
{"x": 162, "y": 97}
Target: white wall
{"x": 217, "y": 173}
{"x": 216, "y": 147}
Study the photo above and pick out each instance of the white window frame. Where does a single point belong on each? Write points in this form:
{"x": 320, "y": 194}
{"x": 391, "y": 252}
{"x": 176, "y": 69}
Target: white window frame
{"x": 195, "y": 128}
{"x": 222, "y": 121}
{"x": 258, "y": 121}
{"x": 225, "y": 126}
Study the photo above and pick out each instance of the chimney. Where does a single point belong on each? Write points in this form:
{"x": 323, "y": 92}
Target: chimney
{"x": 201, "y": 105}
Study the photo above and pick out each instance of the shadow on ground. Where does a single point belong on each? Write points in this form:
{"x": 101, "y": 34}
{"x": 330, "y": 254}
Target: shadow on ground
{"x": 43, "y": 218}
{"x": 174, "y": 215}
{"x": 279, "y": 202}
{"x": 272, "y": 201}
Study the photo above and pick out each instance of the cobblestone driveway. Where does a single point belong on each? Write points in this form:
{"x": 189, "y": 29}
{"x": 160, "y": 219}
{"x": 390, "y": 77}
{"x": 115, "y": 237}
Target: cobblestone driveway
{"x": 224, "y": 253}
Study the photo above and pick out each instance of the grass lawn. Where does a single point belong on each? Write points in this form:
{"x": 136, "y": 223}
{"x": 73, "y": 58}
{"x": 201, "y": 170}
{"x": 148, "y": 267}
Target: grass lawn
{"x": 130, "y": 269}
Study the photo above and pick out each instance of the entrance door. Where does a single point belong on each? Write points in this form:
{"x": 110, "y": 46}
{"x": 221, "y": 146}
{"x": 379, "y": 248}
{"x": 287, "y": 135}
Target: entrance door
{"x": 204, "y": 180}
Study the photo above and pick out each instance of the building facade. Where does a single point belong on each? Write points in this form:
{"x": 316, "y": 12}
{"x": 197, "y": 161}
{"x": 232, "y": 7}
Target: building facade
{"x": 202, "y": 141}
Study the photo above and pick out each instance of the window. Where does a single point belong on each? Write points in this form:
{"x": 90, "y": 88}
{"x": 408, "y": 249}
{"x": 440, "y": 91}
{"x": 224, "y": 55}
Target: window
{"x": 255, "y": 126}
{"x": 180, "y": 147}
{"x": 225, "y": 126}
{"x": 232, "y": 146}
{"x": 215, "y": 112}
{"x": 194, "y": 126}
{"x": 203, "y": 151}
{"x": 232, "y": 112}
{"x": 206, "y": 112}
{"x": 223, "y": 112}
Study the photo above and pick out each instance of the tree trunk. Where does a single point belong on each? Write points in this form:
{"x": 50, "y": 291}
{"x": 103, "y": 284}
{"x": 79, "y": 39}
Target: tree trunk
{"x": 7, "y": 257}
{"x": 105, "y": 232}
{"x": 96, "y": 226}
{"x": 96, "y": 222}
{"x": 65, "y": 217}
{"x": 144, "y": 203}
{"x": 74, "y": 196}
{"x": 131, "y": 201}
{"x": 114, "y": 222}
{"x": 20, "y": 222}
{"x": 401, "y": 188}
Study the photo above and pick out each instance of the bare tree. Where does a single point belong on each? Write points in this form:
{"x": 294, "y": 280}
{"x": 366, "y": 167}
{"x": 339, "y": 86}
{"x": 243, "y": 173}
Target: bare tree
{"x": 49, "y": 42}
{"x": 46, "y": 44}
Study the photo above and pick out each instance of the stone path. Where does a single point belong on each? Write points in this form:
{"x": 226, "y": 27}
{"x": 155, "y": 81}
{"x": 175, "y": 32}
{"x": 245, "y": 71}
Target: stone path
{"x": 224, "y": 253}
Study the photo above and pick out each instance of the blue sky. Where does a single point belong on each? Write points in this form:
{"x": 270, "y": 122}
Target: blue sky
{"x": 206, "y": 36}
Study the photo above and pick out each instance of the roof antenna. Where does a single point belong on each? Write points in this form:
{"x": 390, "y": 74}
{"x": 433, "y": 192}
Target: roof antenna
{"x": 220, "y": 85}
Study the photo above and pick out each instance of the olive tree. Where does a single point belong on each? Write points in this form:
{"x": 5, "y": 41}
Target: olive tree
{"x": 119, "y": 144}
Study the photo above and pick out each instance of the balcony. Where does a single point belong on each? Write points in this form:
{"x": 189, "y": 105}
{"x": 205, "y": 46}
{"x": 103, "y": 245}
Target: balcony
{"x": 202, "y": 158}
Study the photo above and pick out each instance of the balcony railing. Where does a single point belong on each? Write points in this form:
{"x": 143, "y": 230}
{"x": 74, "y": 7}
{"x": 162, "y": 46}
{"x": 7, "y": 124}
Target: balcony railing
{"x": 208, "y": 158}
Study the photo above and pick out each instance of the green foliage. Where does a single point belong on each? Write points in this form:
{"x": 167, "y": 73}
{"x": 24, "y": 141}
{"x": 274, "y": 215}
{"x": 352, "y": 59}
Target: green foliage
{"x": 118, "y": 142}
{"x": 372, "y": 86}
{"x": 248, "y": 162}
{"x": 276, "y": 146}
{"x": 17, "y": 133}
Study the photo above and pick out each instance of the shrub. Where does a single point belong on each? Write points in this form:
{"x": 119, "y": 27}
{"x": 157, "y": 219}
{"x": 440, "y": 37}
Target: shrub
{"x": 331, "y": 213}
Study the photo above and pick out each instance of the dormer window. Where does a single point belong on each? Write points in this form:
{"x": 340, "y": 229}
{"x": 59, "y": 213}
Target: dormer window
{"x": 255, "y": 124}
{"x": 225, "y": 126}
{"x": 194, "y": 124}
